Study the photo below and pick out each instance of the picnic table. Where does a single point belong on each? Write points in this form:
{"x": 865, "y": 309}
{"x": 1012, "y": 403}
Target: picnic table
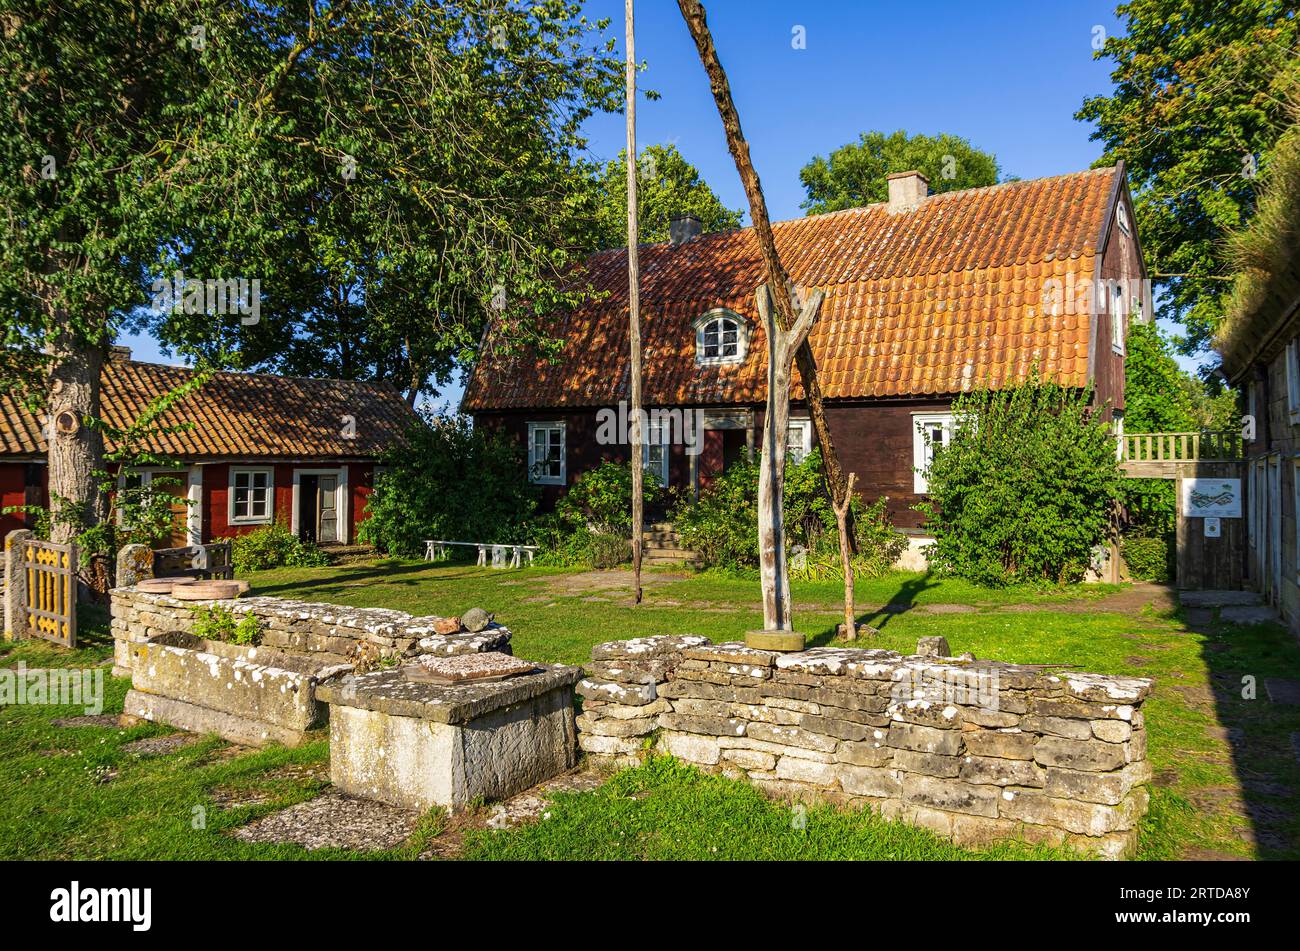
{"x": 503, "y": 556}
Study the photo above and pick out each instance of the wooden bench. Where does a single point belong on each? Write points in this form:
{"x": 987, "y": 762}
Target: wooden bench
{"x": 503, "y": 556}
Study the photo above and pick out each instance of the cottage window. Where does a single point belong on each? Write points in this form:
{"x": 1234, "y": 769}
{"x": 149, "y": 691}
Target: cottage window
{"x": 932, "y": 432}
{"x": 1121, "y": 215}
{"x": 546, "y": 453}
{"x": 251, "y": 496}
{"x": 799, "y": 441}
{"x": 720, "y": 337}
{"x": 654, "y": 452}
{"x": 1117, "y": 317}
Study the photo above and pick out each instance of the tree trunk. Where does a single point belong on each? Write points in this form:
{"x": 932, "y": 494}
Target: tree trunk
{"x": 634, "y": 310}
{"x": 781, "y": 345}
{"x": 842, "y": 510}
{"x": 696, "y": 22}
{"x": 75, "y": 450}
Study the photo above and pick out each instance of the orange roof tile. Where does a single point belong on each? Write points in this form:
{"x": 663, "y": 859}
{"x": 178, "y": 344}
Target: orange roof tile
{"x": 235, "y": 415}
{"x": 919, "y": 303}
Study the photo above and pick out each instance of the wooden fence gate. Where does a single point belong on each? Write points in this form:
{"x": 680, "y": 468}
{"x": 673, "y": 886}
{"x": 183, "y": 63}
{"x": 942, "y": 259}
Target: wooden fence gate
{"x": 41, "y": 589}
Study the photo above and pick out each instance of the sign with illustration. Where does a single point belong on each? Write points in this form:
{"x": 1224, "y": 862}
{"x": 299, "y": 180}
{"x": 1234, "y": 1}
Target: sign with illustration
{"x": 1212, "y": 498}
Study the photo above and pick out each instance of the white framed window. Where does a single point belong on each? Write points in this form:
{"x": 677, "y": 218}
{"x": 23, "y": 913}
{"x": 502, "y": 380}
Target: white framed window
{"x": 799, "y": 440}
{"x": 252, "y": 492}
{"x": 655, "y": 449}
{"x": 1293, "y": 379}
{"x": 1117, "y": 318}
{"x": 721, "y": 336}
{"x": 546, "y": 453}
{"x": 930, "y": 432}
{"x": 1121, "y": 217}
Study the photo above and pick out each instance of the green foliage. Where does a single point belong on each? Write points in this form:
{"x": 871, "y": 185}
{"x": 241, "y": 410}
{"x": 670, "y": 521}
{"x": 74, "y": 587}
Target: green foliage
{"x": 667, "y": 185}
{"x": 452, "y": 481}
{"x": 722, "y": 525}
{"x": 273, "y": 546}
{"x": 602, "y": 498}
{"x": 1212, "y": 78}
{"x": 1149, "y": 557}
{"x": 855, "y": 174}
{"x": 592, "y": 523}
{"x": 1025, "y": 490}
{"x": 216, "y": 623}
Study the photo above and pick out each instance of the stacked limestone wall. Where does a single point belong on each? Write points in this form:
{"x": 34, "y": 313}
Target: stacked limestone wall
{"x": 329, "y": 633}
{"x": 975, "y": 751}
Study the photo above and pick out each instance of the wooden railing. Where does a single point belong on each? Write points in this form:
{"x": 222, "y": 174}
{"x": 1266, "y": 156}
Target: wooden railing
{"x": 1180, "y": 447}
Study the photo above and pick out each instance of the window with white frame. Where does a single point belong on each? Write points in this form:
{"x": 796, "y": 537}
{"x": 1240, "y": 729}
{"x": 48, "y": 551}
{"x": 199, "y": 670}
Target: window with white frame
{"x": 931, "y": 432}
{"x": 1117, "y": 318}
{"x": 799, "y": 440}
{"x": 546, "y": 453}
{"x": 1293, "y": 379}
{"x": 655, "y": 449}
{"x": 1121, "y": 216}
{"x": 721, "y": 336}
{"x": 251, "y": 496}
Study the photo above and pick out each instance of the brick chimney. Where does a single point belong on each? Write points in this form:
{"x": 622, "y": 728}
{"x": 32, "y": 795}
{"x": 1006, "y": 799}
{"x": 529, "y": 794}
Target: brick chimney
{"x": 119, "y": 352}
{"x": 683, "y": 228}
{"x": 907, "y": 190}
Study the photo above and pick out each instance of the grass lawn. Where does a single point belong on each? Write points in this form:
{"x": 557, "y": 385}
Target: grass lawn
{"x": 1227, "y": 779}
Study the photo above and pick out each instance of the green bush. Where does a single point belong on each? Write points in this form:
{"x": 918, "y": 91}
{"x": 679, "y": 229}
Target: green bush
{"x": 592, "y": 524}
{"x": 601, "y": 498}
{"x": 453, "y": 481}
{"x": 1149, "y": 557}
{"x": 216, "y": 623}
{"x": 722, "y": 525}
{"x": 1025, "y": 490}
{"x": 273, "y": 546}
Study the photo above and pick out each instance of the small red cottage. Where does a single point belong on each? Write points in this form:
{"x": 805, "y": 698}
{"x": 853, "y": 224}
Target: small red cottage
{"x": 261, "y": 448}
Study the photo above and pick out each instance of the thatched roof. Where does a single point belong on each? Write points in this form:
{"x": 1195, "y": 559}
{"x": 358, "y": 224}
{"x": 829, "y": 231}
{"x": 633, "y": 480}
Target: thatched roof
{"x": 1264, "y": 308}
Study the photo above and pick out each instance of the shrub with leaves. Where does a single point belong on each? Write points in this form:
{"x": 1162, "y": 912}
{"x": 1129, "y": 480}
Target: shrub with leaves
{"x": 274, "y": 546}
{"x": 1149, "y": 557}
{"x": 452, "y": 481}
{"x": 216, "y": 623}
{"x": 1025, "y": 490}
{"x": 592, "y": 524}
{"x": 722, "y": 524}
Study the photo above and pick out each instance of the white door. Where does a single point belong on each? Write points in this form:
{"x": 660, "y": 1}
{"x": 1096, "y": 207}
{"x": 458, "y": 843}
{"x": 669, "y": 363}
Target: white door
{"x": 328, "y": 509}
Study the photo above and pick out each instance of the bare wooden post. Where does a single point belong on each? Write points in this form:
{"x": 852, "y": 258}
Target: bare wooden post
{"x": 773, "y": 570}
{"x": 696, "y": 21}
{"x": 634, "y": 308}
{"x": 842, "y": 508}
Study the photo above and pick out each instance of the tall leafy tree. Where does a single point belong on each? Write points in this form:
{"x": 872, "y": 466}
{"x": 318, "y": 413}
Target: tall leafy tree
{"x": 667, "y": 185}
{"x": 855, "y": 174}
{"x": 1198, "y": 105}
{"x": 390, "y": 173}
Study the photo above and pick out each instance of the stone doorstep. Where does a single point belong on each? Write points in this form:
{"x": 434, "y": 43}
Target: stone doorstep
{"x": 388, "y": 691}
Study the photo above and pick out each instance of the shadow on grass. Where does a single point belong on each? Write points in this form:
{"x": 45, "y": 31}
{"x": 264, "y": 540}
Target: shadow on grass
{"x": 902, "y": 601}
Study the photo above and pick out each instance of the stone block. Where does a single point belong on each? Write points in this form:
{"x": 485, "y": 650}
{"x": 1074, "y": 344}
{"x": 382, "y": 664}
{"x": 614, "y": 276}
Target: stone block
{"x": 870, "y": 781}
{"x": 1000, "y": 772}
{"x": 792, "y": 736}
{"x": 1007, "y": 743}
{"x": 1106, "y": 788}
{"x": 865, "y": 754}
{"x": 806, "y": 771}
{"x": 950, "y": 795}
{"x": 924, "y": 739}
{"x": 1093, "y": 755}
{"x": 694, "y": 749}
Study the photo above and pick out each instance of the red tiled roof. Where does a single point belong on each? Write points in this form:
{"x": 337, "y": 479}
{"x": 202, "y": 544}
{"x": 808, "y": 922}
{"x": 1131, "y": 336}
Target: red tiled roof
{"x": 235, "y": 415}
{"x": 918, "y": 303}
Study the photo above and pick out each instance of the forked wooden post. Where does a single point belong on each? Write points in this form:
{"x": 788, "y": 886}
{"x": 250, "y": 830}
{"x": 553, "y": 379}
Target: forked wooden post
{"x": 842, "y": 508}
{"x": 774, "y": 572}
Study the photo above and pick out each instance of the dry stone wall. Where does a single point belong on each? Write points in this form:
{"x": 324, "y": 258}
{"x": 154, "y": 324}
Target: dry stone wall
{"x": 329, "y": 633}
{"x": 976, "y": 751}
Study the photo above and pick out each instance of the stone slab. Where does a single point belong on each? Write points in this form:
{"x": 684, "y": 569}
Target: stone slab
{"x": 198, "y": 719}
{"x": 1218, "y": 599}
{"x": 388, "y": 691}
{"x": 1248, "y": 614}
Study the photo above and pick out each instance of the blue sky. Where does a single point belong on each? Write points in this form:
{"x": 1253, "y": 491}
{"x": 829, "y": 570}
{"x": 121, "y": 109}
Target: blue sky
{"x": 1007, "y": 76}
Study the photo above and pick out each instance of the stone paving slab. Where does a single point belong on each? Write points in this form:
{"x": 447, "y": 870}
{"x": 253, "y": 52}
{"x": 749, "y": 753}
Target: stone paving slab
{"x": 1248, "y": 614}
{"x": 1286, "y": 692}
{"x": 1219, "y": 599}
{"x": 334, "y": 820}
